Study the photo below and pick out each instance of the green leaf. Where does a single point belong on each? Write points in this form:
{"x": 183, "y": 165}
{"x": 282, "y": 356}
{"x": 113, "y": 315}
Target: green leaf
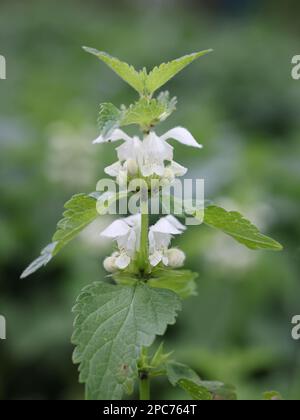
{"x": 146, "y": 84}
{"x": 80, "y": 212}
{"x": 109, "y": 118}
{"x": 166, "y": 71}
{"x": 182, "y": 282}
{"x": 196, "y": 391}
{"x": 272, "y": 396}
{"x": 221, "y": 391}
{"x": 148, "y": 112}
{"x": 41, "y": 261}
{"x": 112, "y": 324}
{"x": 145, "y": 112}
{"x": 128, "y": 73}
{"x": 183, "y": 376}
{"x": 234, "y": 224}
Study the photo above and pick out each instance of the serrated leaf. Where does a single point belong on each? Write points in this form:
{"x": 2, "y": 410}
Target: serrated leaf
{"x": 109, "y": 118}
{"x": 182, "y": 282}
{"x": 41, "y": 261}
{"x": 220, "y": 391}
{"x": 112, "y": 324}
{"x": 242, "y": 230}
{"x": 183, "y": 376}
{"x": 147, "y": 112}
{"x": 166, "y": 71}
{"x": 196, "y": 391}
{"x": 146, "y": 84}
{"x": 80, "y": 212}
{"x": 128, "y": 73}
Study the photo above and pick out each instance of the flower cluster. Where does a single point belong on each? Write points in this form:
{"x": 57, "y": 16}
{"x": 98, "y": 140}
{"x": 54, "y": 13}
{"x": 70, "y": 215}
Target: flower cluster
{"x": 151, "y": 157}
{"x": 126, "y": 232}
{"x": 147, "y": 159}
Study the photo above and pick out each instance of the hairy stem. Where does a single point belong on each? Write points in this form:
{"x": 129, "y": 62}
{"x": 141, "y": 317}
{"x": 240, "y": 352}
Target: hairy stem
{"x": 144, "y": 250}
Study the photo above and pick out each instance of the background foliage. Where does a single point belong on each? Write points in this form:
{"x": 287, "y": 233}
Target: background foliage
{"x": 240, "y": 102}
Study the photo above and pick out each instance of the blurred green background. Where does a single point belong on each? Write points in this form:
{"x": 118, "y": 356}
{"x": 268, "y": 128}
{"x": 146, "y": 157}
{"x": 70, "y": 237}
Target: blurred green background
{"x": 240, "y": 102}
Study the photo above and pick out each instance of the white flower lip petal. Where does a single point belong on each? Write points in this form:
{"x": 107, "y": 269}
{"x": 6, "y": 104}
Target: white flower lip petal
{"x": 116, "y": 135}
{"x": 182, "y": 135}
{"x": 155, "y": 258}
{"x": 178, "y": 169}
{"x": 114, "y": 169}
{"x": 123, "y": 261}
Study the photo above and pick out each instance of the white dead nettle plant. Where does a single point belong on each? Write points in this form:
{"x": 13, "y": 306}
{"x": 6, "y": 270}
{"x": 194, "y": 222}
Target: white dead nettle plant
{"x": 117, "y": 319}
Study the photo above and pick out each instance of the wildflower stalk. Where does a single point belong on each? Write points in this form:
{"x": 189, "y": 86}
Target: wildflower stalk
{"x": 115, "y": 321}
{"x": 144, "y": 250}
{"x": 144, "y": 386}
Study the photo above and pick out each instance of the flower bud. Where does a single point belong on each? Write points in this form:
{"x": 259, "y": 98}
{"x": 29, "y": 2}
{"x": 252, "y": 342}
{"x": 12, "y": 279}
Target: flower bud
{"x": 176, "y": 258}
{"x": 109, "y": 264}
{"x": 132, "y": 167}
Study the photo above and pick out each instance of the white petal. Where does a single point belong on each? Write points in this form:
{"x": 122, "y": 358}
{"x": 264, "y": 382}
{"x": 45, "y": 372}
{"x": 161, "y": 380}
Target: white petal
{"x": 155, "y": 258}
{"x": 131, "y": 242}
{"x": 166, "y": 226}
{"x": 155, "y": 148}
{"x": 117, "y": 229}
{"x": 116, "y": 135}
{"x": 182, "y": 135}
{"x": 171, "y": 219}
{"x": 177, "y": 169}
{"x": 134, "y": 220}
{"x": 147, "y": 170}
{"x": 159, "y": 169}
{"x": 123, "y": 261}
{"x": 131, "y": 149}
{"x": 113, "y": 170}
{"x": 165, "y": 260}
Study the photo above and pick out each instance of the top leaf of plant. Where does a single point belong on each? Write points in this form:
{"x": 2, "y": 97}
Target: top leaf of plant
{"x": 162, "y": 74}
{"x": 128, "y": 73}
{"x": 146, "y": 83}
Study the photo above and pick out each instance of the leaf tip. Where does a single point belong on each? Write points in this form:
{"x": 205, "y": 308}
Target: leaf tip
{"x": 90, "y": 50}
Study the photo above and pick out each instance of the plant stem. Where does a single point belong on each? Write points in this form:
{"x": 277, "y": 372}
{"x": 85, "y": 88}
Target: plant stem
{"x": 144, "y": 249}
{"x": 144, "y": 386}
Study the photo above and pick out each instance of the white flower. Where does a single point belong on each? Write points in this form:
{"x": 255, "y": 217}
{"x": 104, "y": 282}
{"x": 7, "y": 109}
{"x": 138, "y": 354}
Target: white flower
{"x": 126, "y": 232}
{"x": 160, "y": 236}
{"x": 147, "y": 156}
